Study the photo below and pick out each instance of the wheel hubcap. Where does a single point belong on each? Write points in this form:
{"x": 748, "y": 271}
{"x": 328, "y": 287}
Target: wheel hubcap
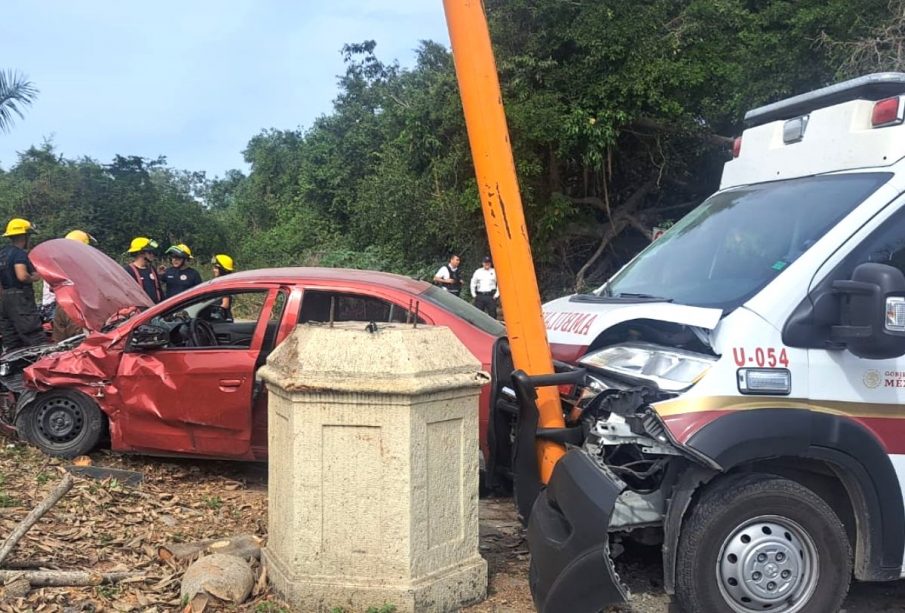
{"x": 60, "y": 420}
{"x": 769, "y": 563}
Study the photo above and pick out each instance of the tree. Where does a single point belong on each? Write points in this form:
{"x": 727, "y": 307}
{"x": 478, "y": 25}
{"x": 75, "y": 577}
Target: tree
{"x": 16, "y": 92}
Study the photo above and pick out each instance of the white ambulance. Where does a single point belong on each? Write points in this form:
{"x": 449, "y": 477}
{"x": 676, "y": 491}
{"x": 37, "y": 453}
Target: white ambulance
{"x": 744, "y": 388}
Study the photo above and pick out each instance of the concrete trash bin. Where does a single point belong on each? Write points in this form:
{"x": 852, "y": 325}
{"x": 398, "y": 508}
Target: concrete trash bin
{"x": 373, "y": 469}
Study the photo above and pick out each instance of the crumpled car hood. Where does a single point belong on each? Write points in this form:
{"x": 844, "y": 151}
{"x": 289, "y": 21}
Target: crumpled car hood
{"x": 89, "y": 286}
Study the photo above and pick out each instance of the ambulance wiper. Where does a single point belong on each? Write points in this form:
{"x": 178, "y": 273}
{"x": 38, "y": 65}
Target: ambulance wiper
{"x": 650, "y": 297}
{"x": 607, "y": 296}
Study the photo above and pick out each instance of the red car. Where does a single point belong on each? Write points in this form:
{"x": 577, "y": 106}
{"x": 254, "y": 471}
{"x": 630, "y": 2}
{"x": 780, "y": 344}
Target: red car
{"x": 178, "y": 378}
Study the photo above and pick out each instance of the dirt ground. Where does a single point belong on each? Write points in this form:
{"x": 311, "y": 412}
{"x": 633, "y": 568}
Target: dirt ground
{"x": 107, "y": 526}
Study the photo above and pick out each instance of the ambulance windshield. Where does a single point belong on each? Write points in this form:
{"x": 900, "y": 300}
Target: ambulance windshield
{"x": 737, "y": 241}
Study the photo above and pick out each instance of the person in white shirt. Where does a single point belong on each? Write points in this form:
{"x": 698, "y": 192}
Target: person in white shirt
{"x": 484, "y": 287}
{"x": 449, "y": 277}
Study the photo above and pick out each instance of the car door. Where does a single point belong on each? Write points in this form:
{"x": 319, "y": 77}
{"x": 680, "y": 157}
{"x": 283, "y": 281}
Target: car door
{"x": 195, "y": 400}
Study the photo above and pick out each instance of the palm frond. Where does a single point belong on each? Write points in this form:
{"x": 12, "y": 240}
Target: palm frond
{"x": 16, "y": 93}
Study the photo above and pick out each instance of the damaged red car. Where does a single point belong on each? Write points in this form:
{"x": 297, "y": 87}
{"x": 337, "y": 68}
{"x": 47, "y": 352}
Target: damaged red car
{"x": 178, "y": 378}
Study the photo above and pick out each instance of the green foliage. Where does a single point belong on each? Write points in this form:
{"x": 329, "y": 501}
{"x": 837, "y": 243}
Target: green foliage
{"x": 215, "y": 503}
{"x": 114, "y": 202}
{"x": 108, "y": 592}
{"x": 16, "y": 93}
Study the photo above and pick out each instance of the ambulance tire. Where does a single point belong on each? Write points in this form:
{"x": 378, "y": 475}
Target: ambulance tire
{"x": 62, "y": 423}
{"x": 734, "y": 551}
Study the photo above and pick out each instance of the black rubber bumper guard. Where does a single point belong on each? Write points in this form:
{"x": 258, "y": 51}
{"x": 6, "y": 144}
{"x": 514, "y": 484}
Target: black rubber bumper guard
{"x": 571, "y": 569}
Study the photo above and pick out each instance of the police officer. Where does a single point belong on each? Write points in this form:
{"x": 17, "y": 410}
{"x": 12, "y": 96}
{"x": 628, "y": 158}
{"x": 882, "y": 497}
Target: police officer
{"x": 484, "y": 287}
{"x": 449, "y": 277}
{"x": 180, "y": 276}
{"x": 20, "y": 323}
{"x": 143, "y": 251}
{"x": 222, "y": 264}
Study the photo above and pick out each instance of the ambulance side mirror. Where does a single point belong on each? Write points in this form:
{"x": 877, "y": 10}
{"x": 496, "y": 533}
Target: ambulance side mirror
{"x": 872, "y": 312}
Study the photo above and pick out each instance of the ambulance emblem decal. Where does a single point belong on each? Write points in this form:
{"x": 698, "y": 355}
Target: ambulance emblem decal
{"x": 872, "y": 379}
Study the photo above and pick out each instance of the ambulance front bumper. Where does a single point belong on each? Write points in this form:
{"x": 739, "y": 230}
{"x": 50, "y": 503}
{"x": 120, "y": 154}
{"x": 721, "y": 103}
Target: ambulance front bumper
{"x": 571, "y": 569}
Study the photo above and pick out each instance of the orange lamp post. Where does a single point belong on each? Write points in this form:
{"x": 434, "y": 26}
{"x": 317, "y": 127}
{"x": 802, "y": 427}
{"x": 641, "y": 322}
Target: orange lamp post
{"x": 503, "y": 214}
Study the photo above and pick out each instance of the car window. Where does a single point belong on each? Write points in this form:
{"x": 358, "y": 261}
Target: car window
{"x": 885, "y": 245}
{"x": 739, "y": 240}
{"x": 317, "y": 306}
{"x": 247, "y": 306}
{"x": 204, "y": 323}
{"x": 273, "y": 323}
{"x": 464, "y": 310}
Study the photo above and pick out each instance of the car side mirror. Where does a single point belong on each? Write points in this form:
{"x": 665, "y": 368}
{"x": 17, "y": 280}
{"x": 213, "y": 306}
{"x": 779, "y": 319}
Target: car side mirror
{"x": 872, "y": 321}
{"x": 149, "y": 336}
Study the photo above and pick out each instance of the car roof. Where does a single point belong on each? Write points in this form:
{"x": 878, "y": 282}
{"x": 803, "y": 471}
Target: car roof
{"x": 302, "y": 274}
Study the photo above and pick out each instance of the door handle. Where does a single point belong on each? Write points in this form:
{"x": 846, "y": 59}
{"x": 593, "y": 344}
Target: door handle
{"x": 230, "y": 385}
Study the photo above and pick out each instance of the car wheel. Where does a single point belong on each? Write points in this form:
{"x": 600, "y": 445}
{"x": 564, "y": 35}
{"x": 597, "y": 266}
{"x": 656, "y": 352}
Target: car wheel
{"x": 62, "y": 423}
{"x": 762, "y": 543}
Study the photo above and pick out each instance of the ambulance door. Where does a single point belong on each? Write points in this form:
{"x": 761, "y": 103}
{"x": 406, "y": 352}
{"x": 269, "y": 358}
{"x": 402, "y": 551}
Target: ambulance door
{"x": 870, "y": 391}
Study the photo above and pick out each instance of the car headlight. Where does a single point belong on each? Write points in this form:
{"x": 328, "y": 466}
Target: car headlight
{"x": 672, "y": 370}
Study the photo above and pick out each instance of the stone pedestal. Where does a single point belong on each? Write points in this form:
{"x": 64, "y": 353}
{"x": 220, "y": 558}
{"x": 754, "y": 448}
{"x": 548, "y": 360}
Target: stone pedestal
{"x": 373, "y": 487}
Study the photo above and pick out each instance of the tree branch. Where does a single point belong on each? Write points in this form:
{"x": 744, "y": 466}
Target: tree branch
{"x": 649, "y": 123}
{"x": 616, "y": 226}
{"x": 37, "y": 513}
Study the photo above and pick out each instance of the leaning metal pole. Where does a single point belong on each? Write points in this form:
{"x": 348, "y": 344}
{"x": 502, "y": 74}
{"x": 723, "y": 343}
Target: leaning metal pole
{"x": 503, "y": 214}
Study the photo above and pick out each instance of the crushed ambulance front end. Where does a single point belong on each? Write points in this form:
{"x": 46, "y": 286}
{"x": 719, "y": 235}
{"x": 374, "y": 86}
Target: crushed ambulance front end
{"x": 623, "y": 461}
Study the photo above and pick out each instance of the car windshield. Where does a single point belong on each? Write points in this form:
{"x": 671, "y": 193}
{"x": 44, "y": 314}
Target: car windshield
{"x": 737, "y": 241}
{"x": 460, "y": 308}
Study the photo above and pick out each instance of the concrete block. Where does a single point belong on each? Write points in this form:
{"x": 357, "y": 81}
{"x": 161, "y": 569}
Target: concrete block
{"x": 373, "y": 489}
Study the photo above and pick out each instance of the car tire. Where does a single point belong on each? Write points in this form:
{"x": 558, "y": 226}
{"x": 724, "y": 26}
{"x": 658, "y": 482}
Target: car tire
{"x": 62, "y": 423}
{"x": 735, "y": 550}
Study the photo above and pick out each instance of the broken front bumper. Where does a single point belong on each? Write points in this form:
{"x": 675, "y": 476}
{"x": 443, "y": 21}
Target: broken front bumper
{"x": 571, "y": 569}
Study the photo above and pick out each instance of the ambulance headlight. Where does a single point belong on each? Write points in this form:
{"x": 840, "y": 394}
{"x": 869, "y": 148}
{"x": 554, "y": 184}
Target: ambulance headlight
{"x": 672, "y": 370}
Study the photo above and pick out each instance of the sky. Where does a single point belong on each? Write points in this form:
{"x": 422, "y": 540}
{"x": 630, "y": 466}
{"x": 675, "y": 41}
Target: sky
{"x": 191, "y": 80}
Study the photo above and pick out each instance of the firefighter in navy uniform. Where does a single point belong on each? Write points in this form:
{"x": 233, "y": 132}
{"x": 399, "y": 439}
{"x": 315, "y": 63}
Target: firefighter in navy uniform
{"x": 180, "y": 276}
{"x": 20, "y": 323}
{"x": 143, "y": 252}
{"x": 222, "y": 264}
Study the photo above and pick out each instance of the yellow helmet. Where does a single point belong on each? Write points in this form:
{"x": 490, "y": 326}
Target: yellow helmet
{"x": 142, "y": 243}
{"x": 223, "y": 261}
{"x": 81, "y": 236}
{"x": 180, "y": 251}
{"x": 18, "y": 227}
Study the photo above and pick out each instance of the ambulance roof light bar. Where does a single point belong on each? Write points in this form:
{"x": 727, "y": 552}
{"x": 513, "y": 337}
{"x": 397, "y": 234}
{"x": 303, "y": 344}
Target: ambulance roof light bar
{"x": 869, "y": 87}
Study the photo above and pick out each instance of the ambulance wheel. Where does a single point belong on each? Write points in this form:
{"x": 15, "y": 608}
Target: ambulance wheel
{"x": 62, "y": 423}
{"x": 762, "y": 543}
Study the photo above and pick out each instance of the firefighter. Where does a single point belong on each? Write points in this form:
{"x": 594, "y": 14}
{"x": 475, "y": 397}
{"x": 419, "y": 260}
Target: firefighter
{"x": 223, "y": 264}
{"x": 143, "y": 251}
{"x": 180, "y": 276}
{"x": 48, "y": 300}
{"x": 63, "y": 327}
{"x": 20, "y": 323}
